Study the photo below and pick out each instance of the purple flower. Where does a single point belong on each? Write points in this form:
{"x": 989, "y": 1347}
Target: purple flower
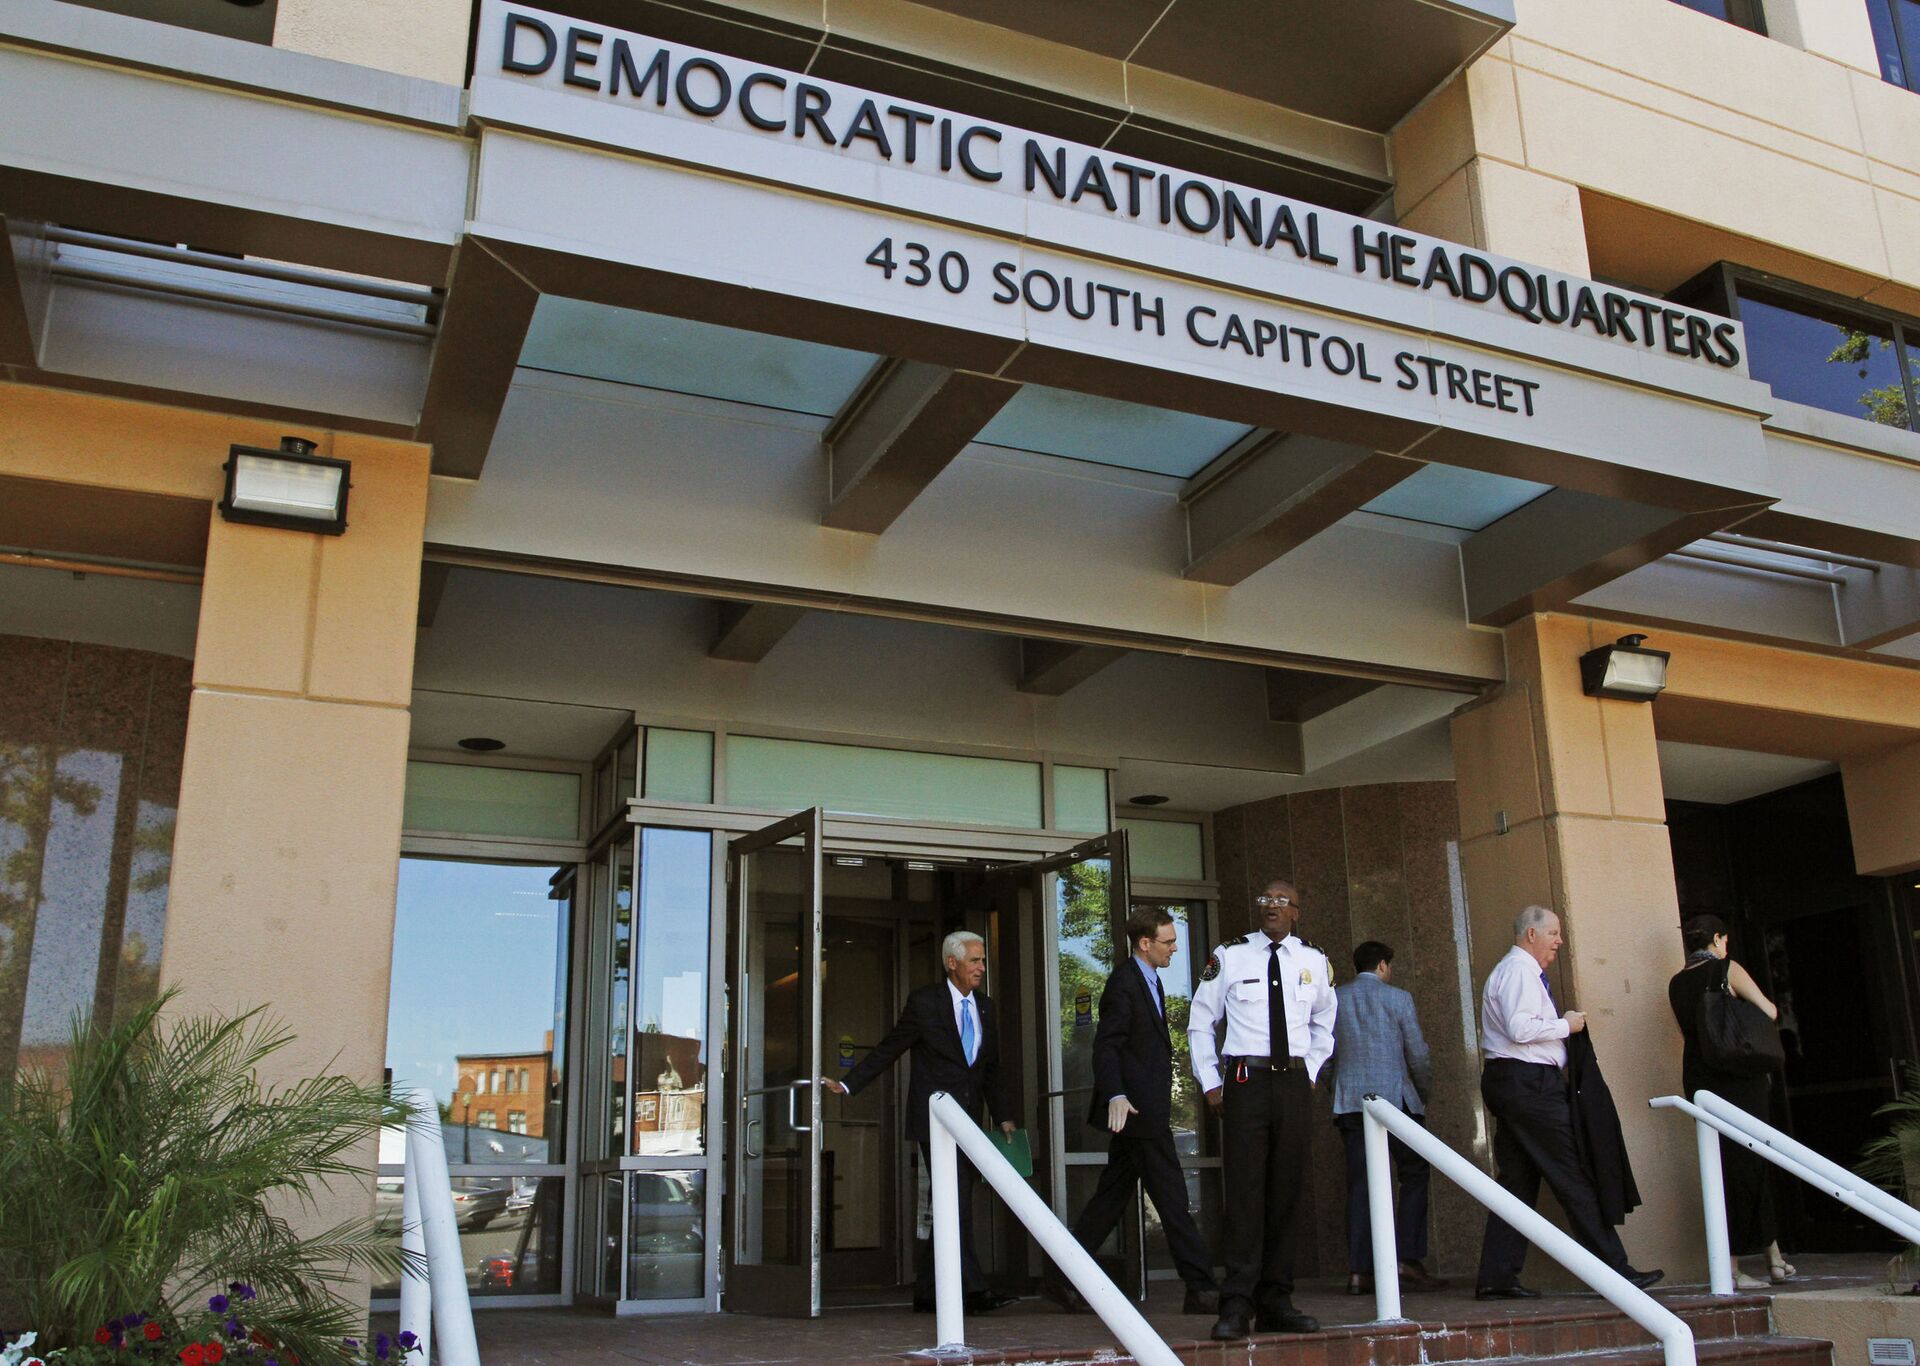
{"x": 242, "y": 1289}
{"x": 408, "y": 1340}
{"x": 218, "y": 1304}
{"x": 351, "y": 1343}
{"x": 381, "y": 1346}
{"x": 117, "y": 1326}
{"x": 235, "y": 1329}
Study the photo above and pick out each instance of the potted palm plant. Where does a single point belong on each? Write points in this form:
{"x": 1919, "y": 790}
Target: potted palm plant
{"x": 149, "y": 1195}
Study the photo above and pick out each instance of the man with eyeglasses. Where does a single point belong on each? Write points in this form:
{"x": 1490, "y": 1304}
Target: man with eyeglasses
{"x": 1133, "y": 1101}
{"x": 1275, "y": 992}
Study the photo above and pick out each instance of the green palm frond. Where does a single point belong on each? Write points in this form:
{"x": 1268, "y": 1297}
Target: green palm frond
{"x": 159, "y": 1165}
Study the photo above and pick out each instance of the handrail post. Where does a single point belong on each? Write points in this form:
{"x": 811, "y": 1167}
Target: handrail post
{"x": 1386, "y": 1246}
{"x": 1713, "y": 1209}
{"x": 452, "y": 1310}
{"x": 416, "y": 1288}
{"x": 943, "y": 1174}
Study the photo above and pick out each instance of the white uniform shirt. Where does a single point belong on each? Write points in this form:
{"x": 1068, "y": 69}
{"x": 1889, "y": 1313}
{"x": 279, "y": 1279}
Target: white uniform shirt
{"x": 1517, "y": 1018}
{"x": 1234, "y": 985}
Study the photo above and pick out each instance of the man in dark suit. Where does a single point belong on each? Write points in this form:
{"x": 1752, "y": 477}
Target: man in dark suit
{"x": 954, "y": 1033}
{"x": 1133, "y": 1101}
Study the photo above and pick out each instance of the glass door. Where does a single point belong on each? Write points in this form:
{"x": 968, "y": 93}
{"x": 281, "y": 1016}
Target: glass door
{"x": 774, "y": 1139}
{"x": 1082, "y": 898}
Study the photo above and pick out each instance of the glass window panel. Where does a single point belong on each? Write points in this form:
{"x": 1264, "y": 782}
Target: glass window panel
{"x": 1080, "y": 800}
{"x": 605, "y": 775}
{"x": 679, "y": 765}
{"x": 627, "y": 770}
{"x": 469, "y": 799}
{"x": 1177, "y": 979}
{"x": 794, "y": 774}
{"x": 1203, "y": 1202}
{"x": 509, "y": 1226}
{"x": 1824, "y": 359}
{"x": 1880, "y": 15}
{"x": 670, "y": 994}
{"x": 666, "y": 1235}
{"x": 620, "y": 970}
{"x": 1906, "y": 15}
{"x": 479, "y": 985}
{"x": 1082, "y": 901}
{"x": 1165, "y": 849}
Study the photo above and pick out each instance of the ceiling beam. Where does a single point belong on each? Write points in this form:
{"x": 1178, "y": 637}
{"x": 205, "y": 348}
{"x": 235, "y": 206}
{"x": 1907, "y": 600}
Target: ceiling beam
{"x": 1297, "y": 697}
{"x": 1566, "y": 543}
{"x": 483, "y": 326}
{"x": 433, "y": 587}
{"x": 1049, "y": 668}
{"x": 745, "y": 631}
{"x": 1275, "y": 492}
{"x": 26, "y": 261}
{"x": 905, "y": 424}
{"x": 1879, "y": 607}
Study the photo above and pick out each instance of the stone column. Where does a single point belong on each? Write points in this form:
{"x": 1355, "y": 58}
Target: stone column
{"x": 1561, "y": 804}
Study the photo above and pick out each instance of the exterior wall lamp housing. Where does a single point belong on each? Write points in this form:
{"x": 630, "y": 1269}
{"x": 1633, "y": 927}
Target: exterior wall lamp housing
{"x": 291, "y": 487}
{"x": 1626, "y": 670}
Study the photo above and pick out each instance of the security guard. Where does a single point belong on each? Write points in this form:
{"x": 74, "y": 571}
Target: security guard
{"x": 1275, "y": 991}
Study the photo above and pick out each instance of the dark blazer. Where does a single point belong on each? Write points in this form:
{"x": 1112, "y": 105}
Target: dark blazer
{"x": 927, "y": 1026}
{"x": 1596, "y": 1131}
{"x": 1132, "y": 1055}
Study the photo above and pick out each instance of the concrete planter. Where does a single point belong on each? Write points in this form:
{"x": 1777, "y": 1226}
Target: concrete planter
{"x": 1848, "y": 1318}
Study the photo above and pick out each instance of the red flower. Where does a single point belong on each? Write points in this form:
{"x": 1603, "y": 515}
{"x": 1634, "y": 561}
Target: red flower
{"x": 152, "y": 1330}
{"x": 102, "y": 1336}
{"x": 193, "y": 1354}
{"x": 214, "y": 1352}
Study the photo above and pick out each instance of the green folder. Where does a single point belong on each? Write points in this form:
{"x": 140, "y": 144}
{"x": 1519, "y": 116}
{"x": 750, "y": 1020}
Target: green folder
{"x": 1016, "y": 1148}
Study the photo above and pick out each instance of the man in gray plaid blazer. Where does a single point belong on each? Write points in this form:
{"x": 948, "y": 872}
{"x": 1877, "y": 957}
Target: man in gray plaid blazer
{"x": 1378, "y": 1050}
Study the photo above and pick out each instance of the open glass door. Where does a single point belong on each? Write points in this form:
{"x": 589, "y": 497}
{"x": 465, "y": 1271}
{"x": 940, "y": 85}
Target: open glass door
{"x": 1082, "y": 898}
{"x": 774, "y": 1133}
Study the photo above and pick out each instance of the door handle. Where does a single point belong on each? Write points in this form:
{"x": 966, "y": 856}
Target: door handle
{"x": 747, "y": 1137}
{"x": 793, "y": 1118}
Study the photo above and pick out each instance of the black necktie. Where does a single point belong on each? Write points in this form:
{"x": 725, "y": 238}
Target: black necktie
{"x": 1159, "y": 996}
{"x": 1279, "y": 1044}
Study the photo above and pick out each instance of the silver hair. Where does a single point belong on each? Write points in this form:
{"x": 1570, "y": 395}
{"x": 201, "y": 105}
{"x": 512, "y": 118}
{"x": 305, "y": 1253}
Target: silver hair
{"x": 1530, "y": 919}
{"x": 955, "y": 944}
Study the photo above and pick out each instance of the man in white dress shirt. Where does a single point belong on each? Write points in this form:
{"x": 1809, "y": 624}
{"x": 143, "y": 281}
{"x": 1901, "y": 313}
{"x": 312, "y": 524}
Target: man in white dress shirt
{"x": 1275, "y": 992}
{"x": 1524, "y": 1083}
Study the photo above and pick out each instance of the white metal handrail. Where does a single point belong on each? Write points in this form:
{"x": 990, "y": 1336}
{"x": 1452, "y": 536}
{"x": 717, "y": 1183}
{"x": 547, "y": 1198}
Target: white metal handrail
{"x": 429, "y": 1229}
{"x": 1382, "y": 1118}
{"x": 1716, "y": 1119}
{"x": 953, "y": 1128}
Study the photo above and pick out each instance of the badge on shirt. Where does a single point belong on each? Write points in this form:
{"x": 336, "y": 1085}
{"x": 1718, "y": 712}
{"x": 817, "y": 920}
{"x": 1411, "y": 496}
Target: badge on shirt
{"x": 1212, "y": 969}
{"x": 1306, "y": 977}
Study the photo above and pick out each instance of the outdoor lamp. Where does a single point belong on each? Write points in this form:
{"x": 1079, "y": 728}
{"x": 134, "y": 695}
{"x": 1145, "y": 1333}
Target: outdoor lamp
{"x": 1625, "y": 669}
{"x": 291, "y": 487}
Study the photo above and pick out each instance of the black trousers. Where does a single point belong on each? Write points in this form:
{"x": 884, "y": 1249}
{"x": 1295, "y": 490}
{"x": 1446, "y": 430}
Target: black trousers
{"x": 971, "y": 1277}
{"x": 1410, "y": 1211}
{"x": 1149, "y": 1161}
{"x": 1263, "y": 1146}
{"x": 1534, "y": 1139}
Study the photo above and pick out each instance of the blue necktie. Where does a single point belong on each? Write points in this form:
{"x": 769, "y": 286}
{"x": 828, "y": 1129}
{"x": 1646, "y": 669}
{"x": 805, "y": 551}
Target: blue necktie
{"x": 967, "y": 1043}
{"x": 1548, "y": 988}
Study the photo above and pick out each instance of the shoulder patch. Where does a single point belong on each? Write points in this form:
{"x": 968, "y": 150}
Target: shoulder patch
{"x": 1212, "y": 969}
{"x": 1237, "y": 939}
{"x": 1308, "y": 943}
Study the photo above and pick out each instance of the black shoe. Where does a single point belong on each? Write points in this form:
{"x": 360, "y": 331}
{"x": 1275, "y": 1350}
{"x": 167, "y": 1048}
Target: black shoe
{"x": 1415, "y": 1277}
{"x": 1062, "y": 1293}
{"x": 1201, "y": 1299}
{"x": 1284, "y": 1318}
{"x": 1512, "y": 1290}
{"x": 1642, "y": 1279}
{"x": 986, "y": 1301}
{"x": 1231, "y": 1326}
{"x": 921, "y": 1306}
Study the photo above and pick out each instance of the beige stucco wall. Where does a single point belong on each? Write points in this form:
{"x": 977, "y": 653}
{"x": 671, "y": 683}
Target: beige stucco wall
{"x": 287, "y": 842}
{"x": 424, "y": 38}
{"x": 1883, "y": 810}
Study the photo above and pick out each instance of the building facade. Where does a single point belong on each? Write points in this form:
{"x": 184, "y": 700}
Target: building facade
{"x": 818, "y": 475}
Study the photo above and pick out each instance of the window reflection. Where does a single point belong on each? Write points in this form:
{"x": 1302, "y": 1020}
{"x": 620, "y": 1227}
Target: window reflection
{"x": 509, "y": 1228}
{"x": 1082, "y": 897}
{"x": 1826, "y": 359}
{"x": 478, "y": 988}
{"x": 670, "y": 994}
{"x": 666, "y": 1235}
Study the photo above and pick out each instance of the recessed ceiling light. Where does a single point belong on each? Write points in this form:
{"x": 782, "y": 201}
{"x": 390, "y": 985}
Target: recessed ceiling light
{"x": 1147, "y": 799}
{"x": 482, "y": 744}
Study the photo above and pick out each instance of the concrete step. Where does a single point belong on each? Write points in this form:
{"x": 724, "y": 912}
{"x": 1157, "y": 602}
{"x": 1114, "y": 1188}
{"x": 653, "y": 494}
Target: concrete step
{"x": 1760, "y": 1351}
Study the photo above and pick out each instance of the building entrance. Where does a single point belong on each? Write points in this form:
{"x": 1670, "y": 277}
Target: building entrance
{"x": 823, "y": 1203}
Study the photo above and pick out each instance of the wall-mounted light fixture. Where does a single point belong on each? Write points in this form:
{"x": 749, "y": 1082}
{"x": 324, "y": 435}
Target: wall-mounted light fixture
{"x": 291, "y": 487}
{"x": 1626, "y": 670}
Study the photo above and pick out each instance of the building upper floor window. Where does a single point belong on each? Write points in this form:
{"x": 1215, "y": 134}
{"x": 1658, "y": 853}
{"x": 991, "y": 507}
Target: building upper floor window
{"x": 1824, "y": 352}
{"x": 1896, "y": 34}
{"x": 1746, "y": 13}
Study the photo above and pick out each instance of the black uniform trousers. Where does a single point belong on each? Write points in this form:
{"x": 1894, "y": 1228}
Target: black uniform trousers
{"x": 971, "y": 1277}
{"x": 1264, "y": 1139}
{"x": 1151, "y": 1161}
{"x": 1409, "y": 1212}
{"x": 1534, "y": 1138}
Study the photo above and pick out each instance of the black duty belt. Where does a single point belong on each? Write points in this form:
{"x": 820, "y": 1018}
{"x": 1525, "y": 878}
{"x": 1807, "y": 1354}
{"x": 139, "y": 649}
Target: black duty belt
{"x": 1265, "y": 1063}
